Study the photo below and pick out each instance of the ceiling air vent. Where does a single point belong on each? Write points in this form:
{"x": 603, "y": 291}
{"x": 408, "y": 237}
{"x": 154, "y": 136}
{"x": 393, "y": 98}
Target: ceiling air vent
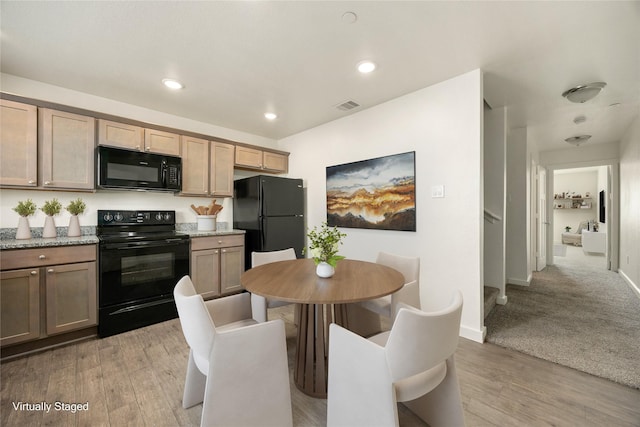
{"x": 347, "y": 105}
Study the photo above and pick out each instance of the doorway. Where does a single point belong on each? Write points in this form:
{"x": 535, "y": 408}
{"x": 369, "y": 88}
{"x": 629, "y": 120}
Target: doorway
{"x": 580, "y": 207}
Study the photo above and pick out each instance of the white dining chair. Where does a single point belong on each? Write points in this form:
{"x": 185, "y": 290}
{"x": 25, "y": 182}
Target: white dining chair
{"x": 260, "y": 304}
{"x": 237, "y": 366}
{"x": 413, "y": 363}
{"x": 409, "y": 294}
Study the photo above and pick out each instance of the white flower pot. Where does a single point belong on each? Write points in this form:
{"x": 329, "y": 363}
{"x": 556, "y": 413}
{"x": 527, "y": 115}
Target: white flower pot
{"x": 24, "y": 231}
{"x": 74, "y": 227}
{"x": 325, "y": 270}
{"x": 49, "y": 229}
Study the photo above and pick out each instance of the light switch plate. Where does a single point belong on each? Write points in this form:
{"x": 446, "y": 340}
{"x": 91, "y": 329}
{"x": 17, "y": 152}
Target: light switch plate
{"x": 437, "y": 191}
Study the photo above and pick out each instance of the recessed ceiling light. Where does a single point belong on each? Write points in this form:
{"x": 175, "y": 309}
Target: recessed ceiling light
{"x": 172, "y": 84}
{"x": 366, "y": 67}
{"x": 270, "y": 116}
{"x": 583, "y": 93}
{"x": 577, "y": 140}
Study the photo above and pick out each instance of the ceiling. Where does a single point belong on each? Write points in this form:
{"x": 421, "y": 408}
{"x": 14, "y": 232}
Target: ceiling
{"x": 298, "y": 59}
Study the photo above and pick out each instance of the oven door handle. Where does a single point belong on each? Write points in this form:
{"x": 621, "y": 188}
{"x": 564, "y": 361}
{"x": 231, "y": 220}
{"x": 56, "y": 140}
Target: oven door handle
{"x": 152, "y": 244}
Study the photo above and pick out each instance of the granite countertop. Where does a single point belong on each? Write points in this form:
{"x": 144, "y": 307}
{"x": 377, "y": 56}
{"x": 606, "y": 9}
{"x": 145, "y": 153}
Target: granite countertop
{"x": 196, "y": 233}
{"x": 39, "y": 242}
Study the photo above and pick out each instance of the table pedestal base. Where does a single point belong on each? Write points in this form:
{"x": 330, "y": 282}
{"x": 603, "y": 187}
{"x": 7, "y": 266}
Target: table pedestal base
{"x": 312, "y": 350}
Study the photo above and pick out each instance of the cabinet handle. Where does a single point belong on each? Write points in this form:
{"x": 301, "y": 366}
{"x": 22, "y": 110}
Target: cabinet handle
{"x": 224, "y": 251}
{"x": 137, "y": 147}
{"x": 31, "y": 181}
{"x": 220, "y": 242}
{"x": 215, "y": 252}
{"x": 147, "y": 149}
{"x": 51, "y": 270}
{"x": 48, "y": 183}
{"x": 34, "y": 273}
{"x": 42, "y": 257}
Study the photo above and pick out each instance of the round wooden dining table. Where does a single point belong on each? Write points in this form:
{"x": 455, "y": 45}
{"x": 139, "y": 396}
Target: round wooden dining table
{"x": 320, "y": 302}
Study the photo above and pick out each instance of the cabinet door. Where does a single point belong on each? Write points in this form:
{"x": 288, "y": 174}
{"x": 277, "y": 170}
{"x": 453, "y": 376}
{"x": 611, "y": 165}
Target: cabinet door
{"x": 205, "y": 272}
{"x": 248, "y": 157}
{"x": 157, "y": 141}
{"x": 231, "y": 267}
{"x": 18, "y": 144}
{"x": 19, "y": 306}
{"x": 195, "y": 166}
{"x": 120, "y": 135}
{"x": 222, "y": 156}
{"x": 71, "y": 297}
{"x": 275, "y": 162}
{"x": 67, "y": 150}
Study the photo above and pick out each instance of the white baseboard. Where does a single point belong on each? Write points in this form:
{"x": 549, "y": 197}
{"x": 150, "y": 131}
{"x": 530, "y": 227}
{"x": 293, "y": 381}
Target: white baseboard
{"x": 634, "y": 286}
{"x": 473, "y": 334}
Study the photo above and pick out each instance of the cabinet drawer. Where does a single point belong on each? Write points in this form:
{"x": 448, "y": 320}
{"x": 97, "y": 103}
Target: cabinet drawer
{"x": 213, "y": 242}
{"x": 25, "y": 258}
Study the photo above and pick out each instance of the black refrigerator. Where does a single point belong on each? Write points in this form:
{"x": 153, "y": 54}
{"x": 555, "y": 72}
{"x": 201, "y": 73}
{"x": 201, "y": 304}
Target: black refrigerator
{"x": 271, "y": 211}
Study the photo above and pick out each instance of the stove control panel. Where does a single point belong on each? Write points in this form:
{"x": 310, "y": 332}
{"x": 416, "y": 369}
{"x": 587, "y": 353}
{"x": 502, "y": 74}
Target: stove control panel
{"x": 110, "y": 217}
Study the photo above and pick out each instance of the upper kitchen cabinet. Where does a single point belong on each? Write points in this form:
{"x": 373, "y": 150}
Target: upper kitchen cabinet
{"x": 195, "y": 166}
{"x": 122, "y": 135}
{"x": 18, "y": 144}
{"x": 251, "y": 158}
{"x": 66, "y": 145}
{"x": 222, "y": 156}
{"x": 157, "y": 141}
{"x": 275, "y": 162}
{"x": 207, "y": 167}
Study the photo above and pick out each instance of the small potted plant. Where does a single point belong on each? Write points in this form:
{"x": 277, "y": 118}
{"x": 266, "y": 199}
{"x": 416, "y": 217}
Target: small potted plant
{"x": 50, "y": 208}
{"x": 75, "y": 208}
{"x": 567, "y": 229}
{"x": 323, "y": 248}
{"x": 25, "y": 209}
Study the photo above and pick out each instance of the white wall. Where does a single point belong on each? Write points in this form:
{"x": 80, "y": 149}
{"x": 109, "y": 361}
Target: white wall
{"x": 629, "y": 267}
{"x": 580, "y": 182}
{"x": 518, "y": 209}
{"x": 105, "y": 199}
{"x": 443, "y": 125}
{"x": 494, "y": 157}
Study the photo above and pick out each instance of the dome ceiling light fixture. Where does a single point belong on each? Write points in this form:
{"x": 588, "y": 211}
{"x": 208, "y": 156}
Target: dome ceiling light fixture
{"x": 577, "y": 140}
{"x": 580, "y": 119}
{"x": 583, "y": 93}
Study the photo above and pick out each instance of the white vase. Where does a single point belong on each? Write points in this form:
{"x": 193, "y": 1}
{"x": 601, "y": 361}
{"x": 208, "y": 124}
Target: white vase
{"x": 24, "y": 231}
{"x": 49, "y": 229}
{"x": 325, "y": 270}
{"x": 74, "y": 227}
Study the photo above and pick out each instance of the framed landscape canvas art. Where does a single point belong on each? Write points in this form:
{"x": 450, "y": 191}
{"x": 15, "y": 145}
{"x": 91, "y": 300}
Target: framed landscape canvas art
{"x": 377, "y": 193}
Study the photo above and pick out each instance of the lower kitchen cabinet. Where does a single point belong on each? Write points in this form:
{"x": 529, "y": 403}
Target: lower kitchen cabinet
{"x": 71, "y": 297}
{"x": 19, "y": 305}
{"x": 216, "y": 264}
{"x": 48, "y": 291}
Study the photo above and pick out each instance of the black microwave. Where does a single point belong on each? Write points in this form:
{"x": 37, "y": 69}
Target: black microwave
{"x": 127, "y": 169}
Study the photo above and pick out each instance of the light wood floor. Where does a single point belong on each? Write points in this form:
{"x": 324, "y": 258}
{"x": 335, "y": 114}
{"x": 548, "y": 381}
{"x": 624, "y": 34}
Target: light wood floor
{"x": 137, "y": 378}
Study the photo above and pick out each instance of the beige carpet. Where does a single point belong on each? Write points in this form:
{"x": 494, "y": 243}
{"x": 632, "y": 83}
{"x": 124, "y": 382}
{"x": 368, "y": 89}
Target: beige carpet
{"x": 577, "y": 314}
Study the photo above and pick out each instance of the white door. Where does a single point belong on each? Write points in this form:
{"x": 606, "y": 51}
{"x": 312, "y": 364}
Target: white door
{"x": 541, "y": 249}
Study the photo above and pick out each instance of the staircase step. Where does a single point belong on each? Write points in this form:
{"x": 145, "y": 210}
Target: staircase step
{"x": 490, "y": 296}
